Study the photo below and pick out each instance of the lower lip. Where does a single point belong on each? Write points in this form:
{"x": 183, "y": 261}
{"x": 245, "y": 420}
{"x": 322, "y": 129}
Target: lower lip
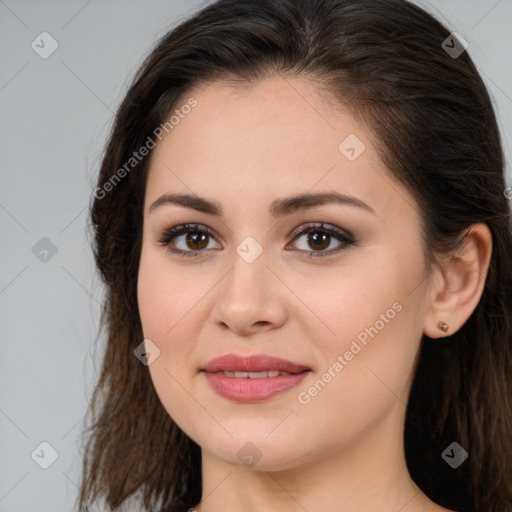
{"x": 246, "y": 390}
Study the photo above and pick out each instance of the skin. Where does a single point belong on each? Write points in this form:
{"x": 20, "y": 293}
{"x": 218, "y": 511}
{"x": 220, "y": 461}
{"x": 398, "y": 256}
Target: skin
{"x": 343, "y": 450}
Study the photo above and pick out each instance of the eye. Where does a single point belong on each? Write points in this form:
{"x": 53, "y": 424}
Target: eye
{"x": 320, "y": 237}
{"x": 196, "y": 239}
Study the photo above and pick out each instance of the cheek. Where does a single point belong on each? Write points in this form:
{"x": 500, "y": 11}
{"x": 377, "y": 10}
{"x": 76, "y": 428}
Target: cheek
{"x": 170, "y": 308}
{"x": 167, "y": 300}
{"x": 366, "y": 328}
{"x": 165, "y": 292}
{"x": 359, "y": 302}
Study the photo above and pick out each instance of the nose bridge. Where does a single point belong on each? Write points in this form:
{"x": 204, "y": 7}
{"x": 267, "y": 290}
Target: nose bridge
{"x": 249, "y": 293}
{"x": 249, "y": 269}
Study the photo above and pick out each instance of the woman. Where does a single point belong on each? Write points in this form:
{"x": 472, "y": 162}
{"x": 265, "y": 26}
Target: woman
{"x": 302, "y": 225}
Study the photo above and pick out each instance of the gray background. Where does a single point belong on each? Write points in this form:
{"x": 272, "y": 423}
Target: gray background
{"x": 56, "y": 113}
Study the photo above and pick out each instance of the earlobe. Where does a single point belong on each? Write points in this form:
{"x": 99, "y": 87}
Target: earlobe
{"x": 455, "y": 294}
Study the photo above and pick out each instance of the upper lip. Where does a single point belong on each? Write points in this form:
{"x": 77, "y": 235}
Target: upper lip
{"x": 252, "y": 363}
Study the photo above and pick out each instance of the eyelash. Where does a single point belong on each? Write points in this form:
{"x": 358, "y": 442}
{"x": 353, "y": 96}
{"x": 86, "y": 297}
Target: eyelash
{"x": 169, "y": 234}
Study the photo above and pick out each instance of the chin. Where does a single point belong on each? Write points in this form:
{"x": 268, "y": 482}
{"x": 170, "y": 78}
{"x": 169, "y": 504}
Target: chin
{"x": 254, "y": 450}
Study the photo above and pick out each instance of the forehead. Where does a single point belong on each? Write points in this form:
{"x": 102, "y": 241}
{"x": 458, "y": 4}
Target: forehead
{"x": 272, "y": 118}
{"x": 278, "y": 137}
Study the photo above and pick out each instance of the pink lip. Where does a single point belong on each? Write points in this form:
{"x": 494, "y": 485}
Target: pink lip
{"x": 252, "y": 363}
{"x": 245, "y": 389}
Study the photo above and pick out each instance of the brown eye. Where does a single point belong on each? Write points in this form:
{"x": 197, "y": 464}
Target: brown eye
{"x": 319, "y": 241}
{"x": 319, "y": 238}
{"x": 196, "y": 240}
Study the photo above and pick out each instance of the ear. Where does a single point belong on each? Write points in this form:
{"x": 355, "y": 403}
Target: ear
{"x": 458, "y": 283}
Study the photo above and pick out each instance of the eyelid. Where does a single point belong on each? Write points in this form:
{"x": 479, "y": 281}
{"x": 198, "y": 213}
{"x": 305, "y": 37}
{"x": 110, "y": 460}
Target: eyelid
{"x": 323, "y": 226}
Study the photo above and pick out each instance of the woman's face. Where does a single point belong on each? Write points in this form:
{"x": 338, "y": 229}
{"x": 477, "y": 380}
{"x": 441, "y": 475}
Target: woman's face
{"x": 354, "y": 317}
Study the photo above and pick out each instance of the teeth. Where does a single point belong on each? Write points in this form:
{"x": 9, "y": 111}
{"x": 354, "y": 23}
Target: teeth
{"x": 255, "y": 375}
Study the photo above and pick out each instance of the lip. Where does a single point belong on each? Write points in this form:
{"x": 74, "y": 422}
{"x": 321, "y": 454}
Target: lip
{"x": 252, "y": 363}
{"x": 245, "y": 389}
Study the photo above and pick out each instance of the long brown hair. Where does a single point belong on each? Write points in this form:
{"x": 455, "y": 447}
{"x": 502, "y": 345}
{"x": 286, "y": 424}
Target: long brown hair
{"x": 434, "y": 128}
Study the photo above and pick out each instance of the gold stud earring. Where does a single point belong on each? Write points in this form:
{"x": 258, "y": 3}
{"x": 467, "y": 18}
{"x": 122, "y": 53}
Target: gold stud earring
{"x": 443, "y": 326}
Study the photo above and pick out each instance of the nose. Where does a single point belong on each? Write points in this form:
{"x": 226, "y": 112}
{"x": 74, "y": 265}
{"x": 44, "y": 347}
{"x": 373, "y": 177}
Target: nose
{"x": 251, "y": 298}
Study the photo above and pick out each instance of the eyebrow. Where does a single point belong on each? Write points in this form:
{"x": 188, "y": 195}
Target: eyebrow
{"x": 279, "y": 208}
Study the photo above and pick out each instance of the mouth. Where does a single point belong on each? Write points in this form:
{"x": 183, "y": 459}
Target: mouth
{"x": 254, "y": 375}
{"x": 255, "y": 378}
